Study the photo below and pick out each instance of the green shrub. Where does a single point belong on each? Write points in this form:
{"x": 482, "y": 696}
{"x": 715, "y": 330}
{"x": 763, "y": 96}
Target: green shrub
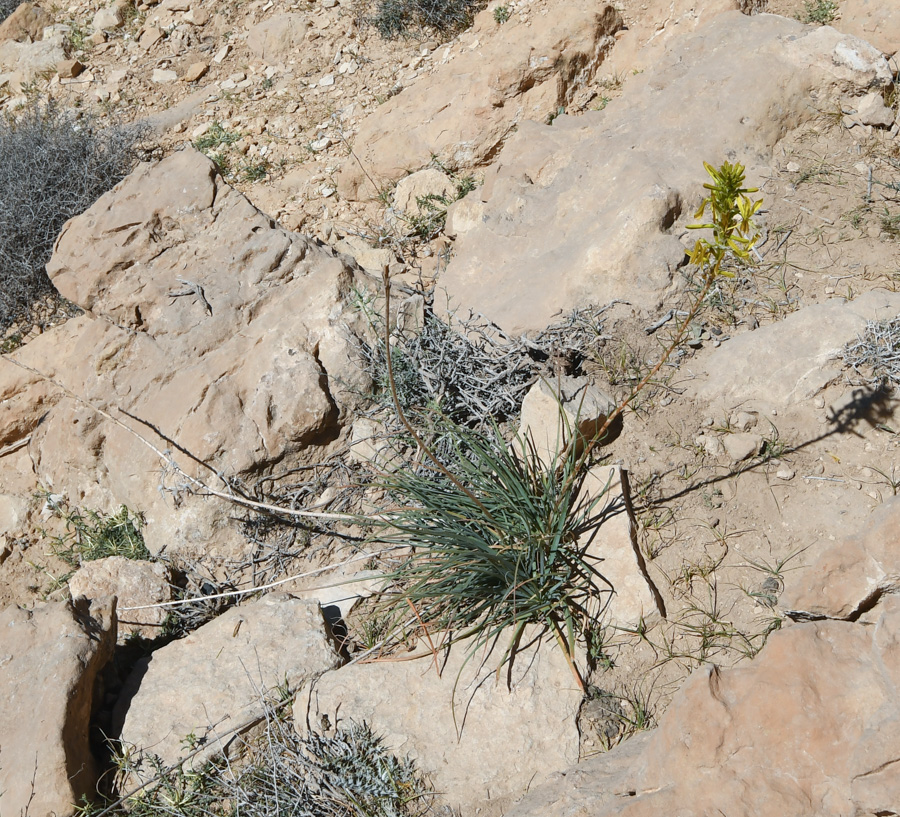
{"x": 91, "y": 535}
{"x": 819, "y": 11}
{"x": 499, "y": 543}
{"x": 55, "y": 165}
{"x": 399, "y": 17}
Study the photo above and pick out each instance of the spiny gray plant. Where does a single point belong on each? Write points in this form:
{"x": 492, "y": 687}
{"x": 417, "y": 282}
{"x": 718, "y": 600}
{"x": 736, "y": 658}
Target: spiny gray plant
{"x": 473, "y": 372}
{"x": 7, "y": 7}
{"x": 875, "y": 355}
{"x": 55, "y": 164}
{"x": 349, "y": 773}
{"x": 394, "y": 18}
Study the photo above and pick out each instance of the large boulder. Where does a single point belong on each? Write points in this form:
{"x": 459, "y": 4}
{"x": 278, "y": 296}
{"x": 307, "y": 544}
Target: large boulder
{"x": 809, "y": 727}
{"x": 467, "y": 108}
{"x": 25, "y": 25}
{"x": 49, "y": 660}
{"x": 584, "y": 211}
{"x": 481, "y": 736}
{"x": 215, "y": 683}
{"x": 208, "y": 331}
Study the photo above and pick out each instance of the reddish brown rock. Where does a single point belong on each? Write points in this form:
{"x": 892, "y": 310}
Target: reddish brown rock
{"x": 69, "y": 69}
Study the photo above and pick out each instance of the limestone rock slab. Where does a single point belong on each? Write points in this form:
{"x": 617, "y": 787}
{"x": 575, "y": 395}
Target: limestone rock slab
{"x": 49, "y": 659}
{"x": 809, "y": 727}
{"x": 507, "y": 739}
{"x": 877, "y": 21}
{"x": 851, "y": 573}
{"x": 466, "y": 109}
{"x": 790, "y": 361}
{"x": 213, "y": 681}
{"x": 584, "y": 211}
{"x": 224, "y": 337}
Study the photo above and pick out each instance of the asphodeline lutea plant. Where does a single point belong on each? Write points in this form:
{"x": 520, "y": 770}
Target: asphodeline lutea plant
{"x": 731, "y": 213}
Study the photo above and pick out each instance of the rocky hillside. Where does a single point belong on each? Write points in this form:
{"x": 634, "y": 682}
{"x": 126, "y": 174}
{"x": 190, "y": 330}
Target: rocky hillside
{"x": 367, "y": 284}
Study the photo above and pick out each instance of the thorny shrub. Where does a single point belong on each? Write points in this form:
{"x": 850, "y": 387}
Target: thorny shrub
{"x": 394, "y": 18}
{"x": 7, "y": 7}
{"x": 56, "y": 163}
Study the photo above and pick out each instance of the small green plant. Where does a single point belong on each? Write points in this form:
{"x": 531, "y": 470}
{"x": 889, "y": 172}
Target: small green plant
{"x": 501, "y": 15}
{"x": 890, "y": 224}
{"x": 91, "y": 535}
{"x": 214, "y": 143}
{"x": 821, "y": 12}
{"x": 432, "y": 208}
{"x": 500, "y": 544}
{"x": 254, "y": 171}
{"x": 77, "y": 38}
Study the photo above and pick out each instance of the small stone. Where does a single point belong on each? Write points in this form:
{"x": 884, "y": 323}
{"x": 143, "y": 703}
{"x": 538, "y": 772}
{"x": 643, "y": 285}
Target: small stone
{"x": 221, "y": 54}
{"x": 108, "y": 19}
{"x": 150, "y": 37}
{"x": 98, "y": 37}
{"x": 197, "y": 17}
{"x": 195, "y": 71}
{"x": 320, "y": 144}
{"x": 785, "y": 474}
{"x": 326, "y": 192}
{"x": 710, "y": 445}
{"x": 793, "y": 167}
{"x": 327, "y": 80}
{"x": 871, "y": 110}
{"x": 162, "y": 76}
{"x": 744, "y": 420}
{"x": 742, "y": 446}
{"x": 197, "y": 132}
{"x": 69, "y": 69}
{"x": 328, "y": 4}
{"x": 819, "y": 402}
